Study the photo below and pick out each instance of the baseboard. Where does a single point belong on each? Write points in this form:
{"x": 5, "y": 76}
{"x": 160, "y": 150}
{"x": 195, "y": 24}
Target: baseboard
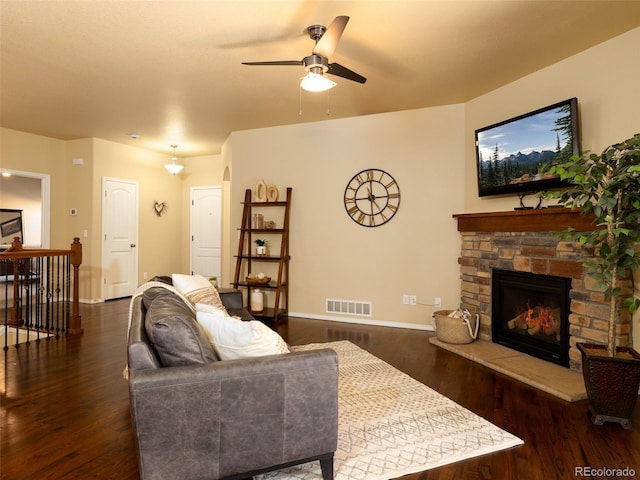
{"x": 360, "y": 321}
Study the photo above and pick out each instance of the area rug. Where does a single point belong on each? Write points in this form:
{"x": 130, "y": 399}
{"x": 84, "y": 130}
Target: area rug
{"x": 391, "y": 425}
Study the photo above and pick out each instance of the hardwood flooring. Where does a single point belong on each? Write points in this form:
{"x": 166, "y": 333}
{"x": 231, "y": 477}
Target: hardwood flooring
{"x": 65, "y": 406}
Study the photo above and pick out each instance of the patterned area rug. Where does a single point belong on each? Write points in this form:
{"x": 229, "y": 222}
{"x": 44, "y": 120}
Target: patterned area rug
{"x": 392, "y": 425}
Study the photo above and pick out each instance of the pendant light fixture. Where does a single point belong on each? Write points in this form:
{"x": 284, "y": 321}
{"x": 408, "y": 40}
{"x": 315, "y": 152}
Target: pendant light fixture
{"x": 173, "y": 167}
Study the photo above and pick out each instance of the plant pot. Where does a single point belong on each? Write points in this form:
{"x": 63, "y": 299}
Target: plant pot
{"x": 611, "y": 382}
{"x": 261, "y": 250}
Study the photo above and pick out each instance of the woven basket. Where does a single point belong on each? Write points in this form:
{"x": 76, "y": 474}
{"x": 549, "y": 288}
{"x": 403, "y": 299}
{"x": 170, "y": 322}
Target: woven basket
{"x": 258, "y": 281}
{"x": 455, "y": 330}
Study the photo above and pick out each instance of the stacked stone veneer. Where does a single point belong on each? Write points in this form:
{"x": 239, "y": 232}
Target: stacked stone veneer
{"x": 542, "y": 253}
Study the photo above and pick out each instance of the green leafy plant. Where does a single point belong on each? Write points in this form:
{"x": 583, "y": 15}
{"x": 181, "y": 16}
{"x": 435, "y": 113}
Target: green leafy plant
{"x": 607, "y": 186}
{"x": 260, "y": 242}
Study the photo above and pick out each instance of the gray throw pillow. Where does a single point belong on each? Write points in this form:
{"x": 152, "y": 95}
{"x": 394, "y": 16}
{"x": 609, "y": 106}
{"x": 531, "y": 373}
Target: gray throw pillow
{"x": 176, "y": 336}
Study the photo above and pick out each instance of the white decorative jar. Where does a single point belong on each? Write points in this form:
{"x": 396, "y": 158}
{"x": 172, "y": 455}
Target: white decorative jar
{"x": 257, "y": 300}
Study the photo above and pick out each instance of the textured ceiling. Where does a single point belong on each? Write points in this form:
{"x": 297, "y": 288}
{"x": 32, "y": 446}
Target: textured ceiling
{"x": 171, "y": 71}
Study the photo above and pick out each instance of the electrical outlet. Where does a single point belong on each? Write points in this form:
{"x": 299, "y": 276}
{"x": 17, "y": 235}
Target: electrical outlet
{"x": 413, "y": 300}
{"x": 405, "y": 299}
{"x": 437, "y": 302}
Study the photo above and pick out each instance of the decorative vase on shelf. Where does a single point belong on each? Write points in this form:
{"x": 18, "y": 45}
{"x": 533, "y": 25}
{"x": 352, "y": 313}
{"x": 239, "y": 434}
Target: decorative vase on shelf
{"x": 261, "y": 248}
{"x": 257, "y": 300}
{"x": 257, "y": 221}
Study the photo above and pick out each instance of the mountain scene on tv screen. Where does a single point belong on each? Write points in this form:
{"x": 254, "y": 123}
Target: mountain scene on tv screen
{"x": 523, "y": 150}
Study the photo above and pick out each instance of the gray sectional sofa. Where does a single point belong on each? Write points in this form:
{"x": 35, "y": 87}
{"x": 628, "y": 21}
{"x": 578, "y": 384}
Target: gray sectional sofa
{"x": 195, "y": 417}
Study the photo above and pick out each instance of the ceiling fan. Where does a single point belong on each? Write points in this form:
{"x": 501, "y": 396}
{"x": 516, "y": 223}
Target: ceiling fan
{"x": 317, "y": 64}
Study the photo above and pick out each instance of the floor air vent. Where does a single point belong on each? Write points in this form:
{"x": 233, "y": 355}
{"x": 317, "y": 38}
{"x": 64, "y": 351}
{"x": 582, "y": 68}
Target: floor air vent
{"x": 349, "y": 307}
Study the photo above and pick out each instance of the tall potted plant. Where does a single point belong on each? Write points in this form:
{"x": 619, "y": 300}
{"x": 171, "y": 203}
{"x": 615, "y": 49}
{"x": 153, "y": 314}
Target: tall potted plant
{"x": 607, "y": 186}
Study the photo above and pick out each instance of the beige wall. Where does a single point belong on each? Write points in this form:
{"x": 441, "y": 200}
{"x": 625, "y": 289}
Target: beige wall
{"x": 429, "y": 152}
{"x": 43, "y": 155}
{"x": 333, "y": 257}
{"x": 603, "y": 79}
{"x": 204, "y": 171}
{"x": 79, "y": 195}
{"x": 606, "y": 82}
{"x": 162, "y": 240}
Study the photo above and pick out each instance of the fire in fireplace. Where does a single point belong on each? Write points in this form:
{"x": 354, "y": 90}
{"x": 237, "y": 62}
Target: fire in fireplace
{"x": 530, "y": 314}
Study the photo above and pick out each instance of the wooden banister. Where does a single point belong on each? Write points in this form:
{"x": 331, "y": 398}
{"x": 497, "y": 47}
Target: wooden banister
{"x": 18, "y": 262}
{"x": 75, "y": 323}
{"x": 16, "y": 250}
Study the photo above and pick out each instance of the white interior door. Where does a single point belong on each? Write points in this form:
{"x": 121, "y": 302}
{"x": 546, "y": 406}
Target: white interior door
{"x": 206, "y": 231}
{"x": 119, "y": 237}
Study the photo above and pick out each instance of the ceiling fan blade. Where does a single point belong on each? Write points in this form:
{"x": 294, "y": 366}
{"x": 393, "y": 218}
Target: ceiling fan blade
{"x": 340, "y": 71}
{"x": 276, "y": 62}
{"x": 329, "y": 40}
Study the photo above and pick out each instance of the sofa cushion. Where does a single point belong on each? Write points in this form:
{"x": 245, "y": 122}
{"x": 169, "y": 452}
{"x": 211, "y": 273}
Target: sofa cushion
{"x": 233, "y": 339}
{"x": 177, "y": 338}
{"x": 150, "y": 294}
{"x": 197, "y": 289}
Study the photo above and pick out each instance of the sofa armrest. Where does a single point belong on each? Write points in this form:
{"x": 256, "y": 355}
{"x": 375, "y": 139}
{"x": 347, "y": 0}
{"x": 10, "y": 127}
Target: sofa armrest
{"x": 227, "y": 418}
{"x": 231, "y": 298}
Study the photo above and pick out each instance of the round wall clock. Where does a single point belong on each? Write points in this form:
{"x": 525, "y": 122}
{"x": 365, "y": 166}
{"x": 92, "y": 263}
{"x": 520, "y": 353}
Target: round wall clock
{"x": 372, "y": 197}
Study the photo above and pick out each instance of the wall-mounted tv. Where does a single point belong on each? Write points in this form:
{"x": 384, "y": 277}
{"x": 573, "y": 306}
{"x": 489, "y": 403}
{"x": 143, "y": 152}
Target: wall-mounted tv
{"x": 513, "y": 155}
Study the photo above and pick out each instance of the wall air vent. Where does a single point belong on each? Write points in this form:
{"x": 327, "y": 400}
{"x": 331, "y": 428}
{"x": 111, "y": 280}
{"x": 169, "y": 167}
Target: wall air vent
{"x": 349, "y": 307}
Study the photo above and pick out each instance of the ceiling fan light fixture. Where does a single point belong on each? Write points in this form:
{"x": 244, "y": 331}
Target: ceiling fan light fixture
{"x": 174, "y": 168}
{"x": 314, "y": 82}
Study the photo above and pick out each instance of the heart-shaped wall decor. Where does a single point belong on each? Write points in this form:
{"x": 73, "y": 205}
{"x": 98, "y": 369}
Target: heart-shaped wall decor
{"x": 159, "y": 208}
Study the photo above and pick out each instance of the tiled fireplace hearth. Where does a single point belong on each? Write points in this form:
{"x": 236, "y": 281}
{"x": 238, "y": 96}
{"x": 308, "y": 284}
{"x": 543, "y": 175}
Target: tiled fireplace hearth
{"x": 525, "y": 241}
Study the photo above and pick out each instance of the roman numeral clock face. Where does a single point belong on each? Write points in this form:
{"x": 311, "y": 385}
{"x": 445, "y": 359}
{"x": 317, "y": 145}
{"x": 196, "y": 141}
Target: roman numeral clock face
{"x": 372, "y": 197}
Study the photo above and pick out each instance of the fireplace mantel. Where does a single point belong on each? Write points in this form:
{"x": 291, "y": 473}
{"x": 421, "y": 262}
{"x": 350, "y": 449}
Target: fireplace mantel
{"x": 536, "y": 220}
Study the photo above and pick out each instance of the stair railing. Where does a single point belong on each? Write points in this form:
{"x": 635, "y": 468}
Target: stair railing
{"x": 39, "y": 295}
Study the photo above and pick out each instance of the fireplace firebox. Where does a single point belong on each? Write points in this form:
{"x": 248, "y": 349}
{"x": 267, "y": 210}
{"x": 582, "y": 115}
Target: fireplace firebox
{"x": 530, "y": 314}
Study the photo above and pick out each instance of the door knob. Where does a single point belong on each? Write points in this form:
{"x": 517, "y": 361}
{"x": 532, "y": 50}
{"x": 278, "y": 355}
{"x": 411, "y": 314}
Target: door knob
{"x": 132, "y": 245}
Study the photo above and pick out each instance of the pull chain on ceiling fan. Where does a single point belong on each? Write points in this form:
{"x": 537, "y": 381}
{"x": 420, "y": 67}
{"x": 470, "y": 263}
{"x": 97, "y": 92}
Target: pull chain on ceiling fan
{"x": 317, "y": 64}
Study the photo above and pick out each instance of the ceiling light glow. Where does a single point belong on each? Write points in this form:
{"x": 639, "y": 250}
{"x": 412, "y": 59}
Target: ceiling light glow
{"x": 313, "y": 82}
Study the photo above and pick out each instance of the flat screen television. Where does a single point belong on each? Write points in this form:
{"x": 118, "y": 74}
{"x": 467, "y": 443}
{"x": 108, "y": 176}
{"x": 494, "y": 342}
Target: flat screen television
{"x": 513, "y": 155}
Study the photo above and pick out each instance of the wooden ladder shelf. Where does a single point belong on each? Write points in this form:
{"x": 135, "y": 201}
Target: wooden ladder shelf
{"x": 247, "y": 261}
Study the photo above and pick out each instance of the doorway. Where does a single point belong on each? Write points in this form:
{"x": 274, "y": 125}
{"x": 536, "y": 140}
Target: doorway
{"x": 206, "y": 232}
{"x": 30, "y": 192}
{"x": 119, "y": 237}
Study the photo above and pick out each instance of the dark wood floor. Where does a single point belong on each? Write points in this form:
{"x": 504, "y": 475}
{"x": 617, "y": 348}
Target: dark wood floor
{"x": 65, "y": 410}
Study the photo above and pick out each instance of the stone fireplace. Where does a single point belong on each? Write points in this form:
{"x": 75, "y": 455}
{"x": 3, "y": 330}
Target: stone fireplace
{"x": 524, "y": 241}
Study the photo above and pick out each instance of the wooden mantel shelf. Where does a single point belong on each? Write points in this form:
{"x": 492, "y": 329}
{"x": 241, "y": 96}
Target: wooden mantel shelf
{"x": 537, "y": 220}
